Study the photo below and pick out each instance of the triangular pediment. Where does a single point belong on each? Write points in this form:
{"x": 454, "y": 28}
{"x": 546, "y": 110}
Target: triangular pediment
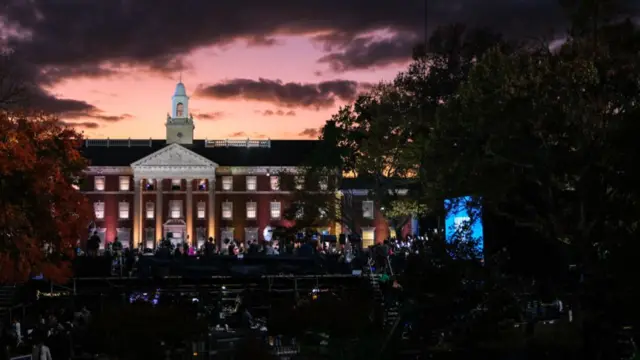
{"x": 174, "y": 155}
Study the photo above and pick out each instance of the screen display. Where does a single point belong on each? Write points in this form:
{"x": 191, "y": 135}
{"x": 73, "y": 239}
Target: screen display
{"x": 463, "y": 221}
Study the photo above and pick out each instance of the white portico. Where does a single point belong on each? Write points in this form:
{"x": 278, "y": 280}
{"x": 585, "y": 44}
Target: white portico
{"x": 173, "y": 162}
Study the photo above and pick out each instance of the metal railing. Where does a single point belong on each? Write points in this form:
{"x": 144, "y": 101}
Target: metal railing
{"x": 118, "y": 142}
{"x": 238, "y": 143}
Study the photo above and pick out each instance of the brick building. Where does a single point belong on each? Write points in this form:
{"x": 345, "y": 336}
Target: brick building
{"x": 188, "y": 190}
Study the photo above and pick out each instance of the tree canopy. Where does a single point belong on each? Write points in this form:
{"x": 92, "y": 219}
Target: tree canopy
{"x": 42, "y": 215}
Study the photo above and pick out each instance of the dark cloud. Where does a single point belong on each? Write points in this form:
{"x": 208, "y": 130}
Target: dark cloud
{"x": 81, "y": 125}
{"x": 310, "y": 133}
{"x": 371, "y": 51}
{"x": 261, "y": 40}
{"x": 53, "y": 74}
{"x": 159, "y": 33}
{"x": 278, "y": 112}
{"x": 289, "y": 95}
{"x": 216, "y": 115}
{"x": 43, "y": 101}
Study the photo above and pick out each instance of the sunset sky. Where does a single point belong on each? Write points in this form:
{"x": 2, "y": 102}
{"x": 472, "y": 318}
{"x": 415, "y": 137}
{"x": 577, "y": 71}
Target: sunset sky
{"x": 274, "y": 68}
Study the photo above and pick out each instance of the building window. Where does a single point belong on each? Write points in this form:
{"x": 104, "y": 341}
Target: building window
{"x": 98, "y": 183}
{"x": 323, "y": 183}
{"x": 368, "y": 237}
{"x": 201, "y": 210}
{"x": 274, "y": 181}
{"x": 150, "y": 213}
{"x": 176, "y": 184}
{"x": 123, "y": 210}
{"x": 149, "y": 238}
{"x": 124, "y": 183}
{"x": 275, "y": 209}
{"x": 227, "y": 210}
{"x": 202, "y": 185}
{"x": 252, "y": 183}
{"x": 299, "y": 180}
{"x": 367, "y": 209}
{"x": 299, "y": 211}
{"x": 175, "y": 209}
{"x": 226, "y": 233}
{"x": 98, "y": 209}
{"x": 201, "y": 236}
{"x": 227, "y": 183}
{"x": 250, "y": 234}
{"x": 149, "y": 185}
{"x": 102, "y": 234}
{"x": 180, "y": 110}
{"x": 252, "y": 210}
{"x": 322, "y": 213}
{"x": 124, "y": 235}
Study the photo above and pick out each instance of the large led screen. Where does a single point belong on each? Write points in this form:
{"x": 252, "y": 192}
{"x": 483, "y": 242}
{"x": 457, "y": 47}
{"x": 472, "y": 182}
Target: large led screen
{"x": 463, "y": 221}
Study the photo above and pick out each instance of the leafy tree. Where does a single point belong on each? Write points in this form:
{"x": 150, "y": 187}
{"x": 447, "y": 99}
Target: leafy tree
{"x": 42, "y": 215}
{"x": 547, "y": 140}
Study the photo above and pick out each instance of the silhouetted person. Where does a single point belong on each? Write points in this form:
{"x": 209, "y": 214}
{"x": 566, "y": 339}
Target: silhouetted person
{"x": 93, "y": 244}
{"x": 209, "y": 247}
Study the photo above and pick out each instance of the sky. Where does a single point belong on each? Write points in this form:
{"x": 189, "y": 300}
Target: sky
{"x": 253, "y": 68}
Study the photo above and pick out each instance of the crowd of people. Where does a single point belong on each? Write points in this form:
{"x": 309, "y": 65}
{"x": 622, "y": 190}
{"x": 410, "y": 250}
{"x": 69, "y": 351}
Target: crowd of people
{"x": 44, "y": 335}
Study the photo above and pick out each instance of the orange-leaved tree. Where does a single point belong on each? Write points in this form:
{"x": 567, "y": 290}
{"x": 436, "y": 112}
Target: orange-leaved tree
{"x": 42, "y": 214}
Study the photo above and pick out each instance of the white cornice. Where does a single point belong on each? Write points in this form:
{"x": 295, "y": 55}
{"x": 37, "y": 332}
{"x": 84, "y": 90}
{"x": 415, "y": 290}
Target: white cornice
{"x": 109, "y": 170}
{"x": 257, "y": 170}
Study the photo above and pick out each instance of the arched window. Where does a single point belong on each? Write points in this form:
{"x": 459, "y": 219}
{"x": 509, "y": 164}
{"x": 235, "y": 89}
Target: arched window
{"x": 179, "y": 110}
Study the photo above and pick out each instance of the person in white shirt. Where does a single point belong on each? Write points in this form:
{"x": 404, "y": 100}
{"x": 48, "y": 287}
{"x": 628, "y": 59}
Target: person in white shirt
{"x": 41, "y": 352}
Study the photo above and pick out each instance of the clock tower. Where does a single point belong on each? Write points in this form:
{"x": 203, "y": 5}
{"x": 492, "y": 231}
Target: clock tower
{"x": 179, "y": 122}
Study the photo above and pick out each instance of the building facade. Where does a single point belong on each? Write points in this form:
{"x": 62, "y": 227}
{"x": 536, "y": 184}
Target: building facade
{"x": 187, "y": 190}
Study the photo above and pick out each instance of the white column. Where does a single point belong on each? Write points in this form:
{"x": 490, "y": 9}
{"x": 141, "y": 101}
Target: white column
{"x": 158, "y": 211}
{"x": 138, "y": 223}
{"x": 189, "y": 212}
{"x": 211, "y": 207}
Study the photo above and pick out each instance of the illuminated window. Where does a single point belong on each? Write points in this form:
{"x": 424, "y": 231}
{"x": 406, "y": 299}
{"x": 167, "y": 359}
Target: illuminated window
{"x": 227, "y": 210}
{"x": 201, "y": 236}
{"x": 227, "y": 233}
{"x": 323, "y": 183}
{"x": 149, "y": 237}
{"x": 176, "y": 184}
{"x": 124, "y": 183}
{"x": 367, "y": 209}
{"x": 275, "y": 209}
{"x": 98, "y": 183}
{"x": 252, "y": 183}
{"x": 150, "y": 213}
{"x": 299, "y": 211}
{"x": 227, "y": 183}
{"x": 180, "y": 110}
{"x": 275, "y": 183}
{"x": 250, "y": 234}
{"x": 252, "y": 210}
{"x": 102, "y": 234}
{"x": 123, "y": 210}
{"x": 98, "y": 208}
{"x": 124, "y": 235}
{"x": 202, "y": 210}
{"x": 368, "y": 237}
{"x": 175, "y": 209}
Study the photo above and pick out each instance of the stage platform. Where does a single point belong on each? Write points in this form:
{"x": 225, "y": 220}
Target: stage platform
{"x": 206, "y": 267}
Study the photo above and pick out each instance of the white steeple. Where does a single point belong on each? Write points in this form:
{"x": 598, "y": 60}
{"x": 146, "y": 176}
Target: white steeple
{"x": 180, "y": 123}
